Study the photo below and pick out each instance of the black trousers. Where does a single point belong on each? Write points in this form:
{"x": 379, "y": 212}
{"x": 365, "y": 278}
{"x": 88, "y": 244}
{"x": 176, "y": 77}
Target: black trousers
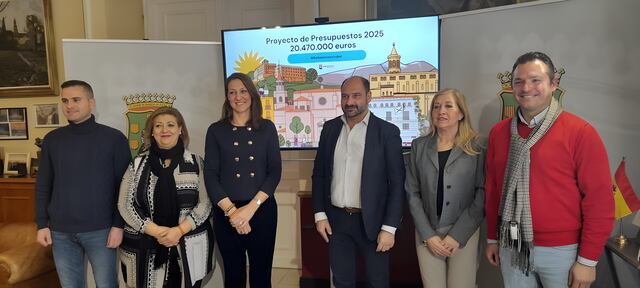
{"x": 347, "y": 240}
{"x": 258, "y": 245}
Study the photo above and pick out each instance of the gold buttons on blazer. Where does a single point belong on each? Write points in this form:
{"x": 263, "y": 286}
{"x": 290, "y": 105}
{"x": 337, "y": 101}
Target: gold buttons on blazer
{"x": 250, "y": 142}
{"x": 251, "y": 158}
{"x": 235, "y": 143}
{"x": 252, "y": 174}
{"x": 248, "y": 128}
{"x": 237, "y": 159}
{"x": 234, "y": 128}
{"x": 237, "y": 175}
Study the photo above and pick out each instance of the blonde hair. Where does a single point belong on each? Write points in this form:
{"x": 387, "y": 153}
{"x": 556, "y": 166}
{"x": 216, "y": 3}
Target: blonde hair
{"x": 465, "y": 137}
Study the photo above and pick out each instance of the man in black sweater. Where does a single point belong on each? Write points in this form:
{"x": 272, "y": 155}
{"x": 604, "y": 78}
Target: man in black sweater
{"x": 81, "y": 167}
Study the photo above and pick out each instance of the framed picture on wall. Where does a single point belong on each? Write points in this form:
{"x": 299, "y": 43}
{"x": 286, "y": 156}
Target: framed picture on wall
{"x": 13, "y": 124}
{"x": 27, "y": 54}
{"x": 47, "y": 115}
{"x": 16, "y": 163}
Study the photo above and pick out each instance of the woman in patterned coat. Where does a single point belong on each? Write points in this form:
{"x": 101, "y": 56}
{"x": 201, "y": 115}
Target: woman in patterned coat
{"x": 168, "y": 240}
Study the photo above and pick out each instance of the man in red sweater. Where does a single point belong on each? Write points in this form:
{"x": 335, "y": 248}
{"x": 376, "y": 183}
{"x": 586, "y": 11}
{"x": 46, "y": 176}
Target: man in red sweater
{"x": 549, "y": 203}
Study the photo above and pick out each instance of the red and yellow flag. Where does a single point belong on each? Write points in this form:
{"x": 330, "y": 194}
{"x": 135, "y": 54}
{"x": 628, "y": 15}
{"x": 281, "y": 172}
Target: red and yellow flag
{"x": 626, "y": 199}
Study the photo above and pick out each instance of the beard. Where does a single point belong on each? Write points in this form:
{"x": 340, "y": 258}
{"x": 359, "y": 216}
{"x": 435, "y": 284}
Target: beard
{"x": 351, "y": 111}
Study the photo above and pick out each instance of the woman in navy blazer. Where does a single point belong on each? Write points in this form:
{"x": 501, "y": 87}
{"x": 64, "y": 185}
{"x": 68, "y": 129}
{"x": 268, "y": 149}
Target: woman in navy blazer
{"x": 445, "y": 192}
{"x": 242, "y": 169}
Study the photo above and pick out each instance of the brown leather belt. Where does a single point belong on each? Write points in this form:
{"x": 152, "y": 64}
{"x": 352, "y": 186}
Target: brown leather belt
{"x": 352, "y": 210}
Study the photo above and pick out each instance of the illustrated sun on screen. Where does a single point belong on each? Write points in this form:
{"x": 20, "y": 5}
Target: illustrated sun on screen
{"x": 248, "y": 62}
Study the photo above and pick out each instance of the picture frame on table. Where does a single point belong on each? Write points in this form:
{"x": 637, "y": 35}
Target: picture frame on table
{"x": 17, "y": 163}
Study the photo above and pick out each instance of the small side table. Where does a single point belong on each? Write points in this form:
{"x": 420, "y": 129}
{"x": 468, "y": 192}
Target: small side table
{"x": 628, "y": 252}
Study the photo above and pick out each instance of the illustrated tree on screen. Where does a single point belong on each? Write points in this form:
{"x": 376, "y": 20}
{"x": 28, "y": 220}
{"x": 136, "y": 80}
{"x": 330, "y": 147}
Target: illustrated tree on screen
{"x": 270, "y": 83}
{"x": 296, "y": 127}
{"x": 312, "y": 75}
{"x": 307, "y": 130}
{"x": 281, "y": 141}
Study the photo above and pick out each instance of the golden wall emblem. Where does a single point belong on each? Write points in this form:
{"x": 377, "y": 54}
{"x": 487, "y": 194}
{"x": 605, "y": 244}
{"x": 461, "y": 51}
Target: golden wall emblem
{"x": 139, "y": 107}
{"x": 509, "y": 104}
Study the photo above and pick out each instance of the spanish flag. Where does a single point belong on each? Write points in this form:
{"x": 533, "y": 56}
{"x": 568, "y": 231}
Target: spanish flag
{"x": 626, "y": 199}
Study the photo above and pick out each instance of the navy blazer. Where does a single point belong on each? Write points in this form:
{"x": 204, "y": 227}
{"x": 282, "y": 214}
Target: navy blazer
{"x": 382, "y": 185}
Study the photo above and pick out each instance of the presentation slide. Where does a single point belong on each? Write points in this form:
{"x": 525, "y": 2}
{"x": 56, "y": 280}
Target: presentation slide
{"x": 298, "y": 71}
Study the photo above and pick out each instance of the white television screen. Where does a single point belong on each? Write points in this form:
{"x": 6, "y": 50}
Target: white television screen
{"x": 298, "y": 71}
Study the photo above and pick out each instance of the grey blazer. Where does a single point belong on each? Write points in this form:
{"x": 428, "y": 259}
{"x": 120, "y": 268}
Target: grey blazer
{"x": 463, "y": 203}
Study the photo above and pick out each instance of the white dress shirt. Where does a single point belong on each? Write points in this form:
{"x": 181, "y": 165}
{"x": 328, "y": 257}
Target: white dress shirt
{"x": 347, "y": 168}
{"x": 535, "y": 120}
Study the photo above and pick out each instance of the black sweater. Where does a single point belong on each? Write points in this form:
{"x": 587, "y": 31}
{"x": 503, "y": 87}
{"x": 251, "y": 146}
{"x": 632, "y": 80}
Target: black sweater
{"x": 81, "y": 166}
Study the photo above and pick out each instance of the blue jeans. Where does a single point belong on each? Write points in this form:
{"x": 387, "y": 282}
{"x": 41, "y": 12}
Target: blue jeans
{"x": 69, "y": 251}
{"x": 551, "y": 267}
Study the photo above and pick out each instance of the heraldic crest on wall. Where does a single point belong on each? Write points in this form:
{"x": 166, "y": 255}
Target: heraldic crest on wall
{"x": 139, "y": 107}
{"x": 509, "y": 103}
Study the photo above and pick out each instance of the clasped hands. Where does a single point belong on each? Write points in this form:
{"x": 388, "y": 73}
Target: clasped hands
{"x": 239, "y": 218}
{"x": 444, "y": 247}
{"x": 166, "y": 236}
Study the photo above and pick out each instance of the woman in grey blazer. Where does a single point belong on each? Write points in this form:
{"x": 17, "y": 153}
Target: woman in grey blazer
{"x": 445, "y": 192}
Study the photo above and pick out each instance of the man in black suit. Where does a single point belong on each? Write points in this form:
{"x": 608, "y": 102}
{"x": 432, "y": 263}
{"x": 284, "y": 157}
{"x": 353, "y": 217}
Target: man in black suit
{"x": 358, "y": 187}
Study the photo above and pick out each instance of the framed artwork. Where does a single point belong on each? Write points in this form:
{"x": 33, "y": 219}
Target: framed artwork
{"x": 13, "y": 124}
{"x": 391, "y": 9}
{"x": 27, "y": 56}
{"x": 16, "y": 163}
{"x": 47, "y": 115}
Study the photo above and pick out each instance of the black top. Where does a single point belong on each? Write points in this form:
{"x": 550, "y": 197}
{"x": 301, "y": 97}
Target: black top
{"x": 443, "y": 156}
{"x": 81, "y": 166}
{"x": 240, "y": 161}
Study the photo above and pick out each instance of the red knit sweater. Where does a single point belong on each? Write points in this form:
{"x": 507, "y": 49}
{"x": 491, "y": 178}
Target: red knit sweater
{"x": 570, "y": 184}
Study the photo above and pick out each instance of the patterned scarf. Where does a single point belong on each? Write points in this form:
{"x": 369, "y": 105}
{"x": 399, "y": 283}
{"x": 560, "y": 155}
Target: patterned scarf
{"x": 166, "y": 207}
{"x": 516, "y": 228}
